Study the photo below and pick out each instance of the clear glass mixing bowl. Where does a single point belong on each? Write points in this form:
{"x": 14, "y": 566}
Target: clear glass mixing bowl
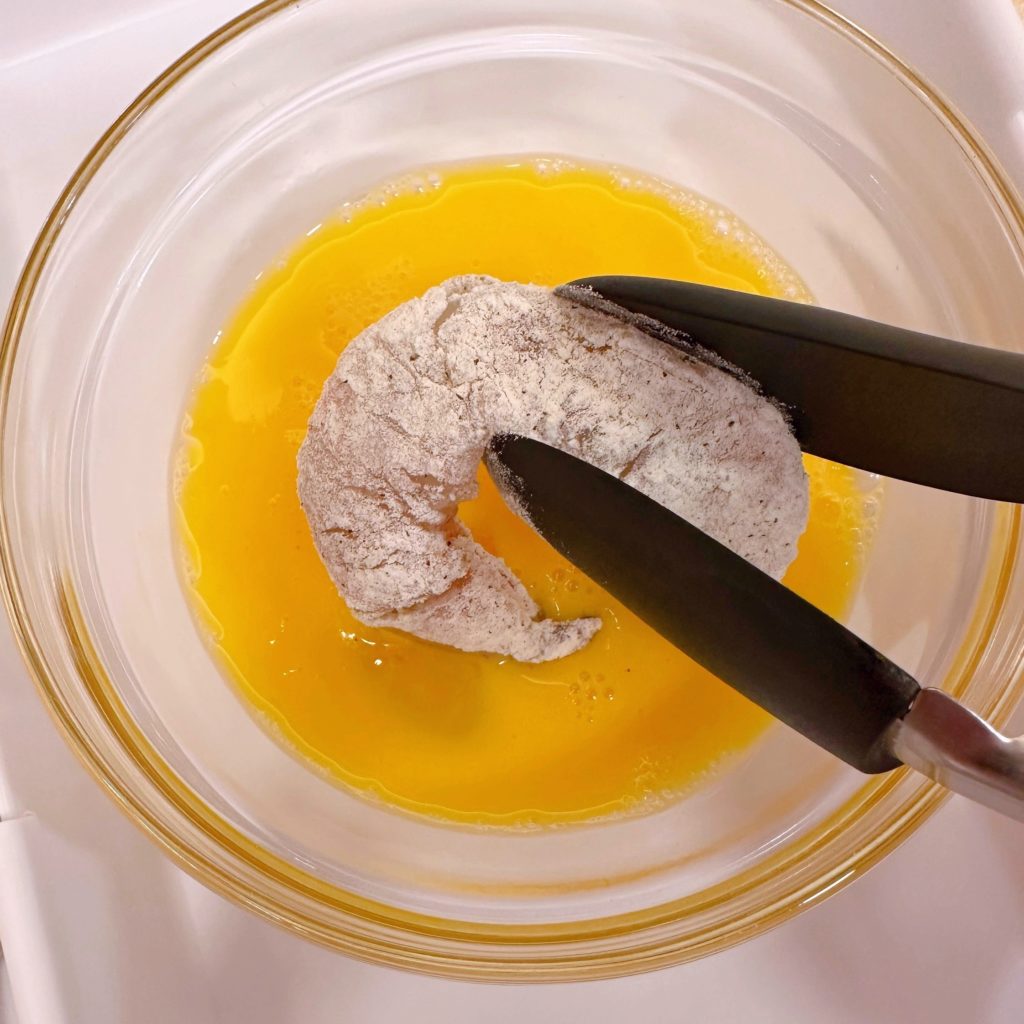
{"x": 829, "y": 148}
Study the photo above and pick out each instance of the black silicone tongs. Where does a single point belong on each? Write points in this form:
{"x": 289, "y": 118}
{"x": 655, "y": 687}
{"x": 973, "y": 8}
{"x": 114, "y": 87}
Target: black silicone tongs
{"x": 802, "y": 666}
{"x": 884, "y": 399}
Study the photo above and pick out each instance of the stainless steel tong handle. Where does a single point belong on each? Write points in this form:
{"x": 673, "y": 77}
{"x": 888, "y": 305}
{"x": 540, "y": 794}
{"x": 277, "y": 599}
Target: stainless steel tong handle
{"x": 949, "y": 743}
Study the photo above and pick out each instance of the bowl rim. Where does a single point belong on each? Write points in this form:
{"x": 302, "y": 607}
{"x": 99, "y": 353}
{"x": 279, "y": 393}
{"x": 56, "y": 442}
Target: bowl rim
{"x": 387, "y": 935}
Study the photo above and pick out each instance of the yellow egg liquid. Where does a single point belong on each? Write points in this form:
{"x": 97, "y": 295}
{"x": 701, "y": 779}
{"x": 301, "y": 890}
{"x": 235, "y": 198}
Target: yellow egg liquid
{"x": 622, "y": 725}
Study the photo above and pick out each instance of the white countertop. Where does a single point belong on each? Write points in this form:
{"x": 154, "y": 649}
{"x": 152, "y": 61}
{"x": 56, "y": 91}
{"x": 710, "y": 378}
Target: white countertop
{"x": 99, "y": 928}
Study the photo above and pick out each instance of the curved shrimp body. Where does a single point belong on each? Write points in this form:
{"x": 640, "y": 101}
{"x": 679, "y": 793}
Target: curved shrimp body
{"x": 395, "y": 439}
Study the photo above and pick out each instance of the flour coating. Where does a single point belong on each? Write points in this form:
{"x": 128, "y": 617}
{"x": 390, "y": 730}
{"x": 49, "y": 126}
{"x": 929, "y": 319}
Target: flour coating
{"x": 399, "y": 430}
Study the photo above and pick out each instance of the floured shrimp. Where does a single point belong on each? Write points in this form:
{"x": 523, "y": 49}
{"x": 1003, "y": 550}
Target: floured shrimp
{"x": 395, "y": 439}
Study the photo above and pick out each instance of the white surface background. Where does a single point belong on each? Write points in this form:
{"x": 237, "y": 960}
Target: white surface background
{"x": 98, "y": 928}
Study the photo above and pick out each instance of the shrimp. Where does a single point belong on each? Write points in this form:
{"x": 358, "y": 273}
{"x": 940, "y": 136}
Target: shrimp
{"x": 395, "y": 439}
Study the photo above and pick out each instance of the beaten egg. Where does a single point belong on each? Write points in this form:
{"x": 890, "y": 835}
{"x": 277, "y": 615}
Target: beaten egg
{"x": 619, "y": 727}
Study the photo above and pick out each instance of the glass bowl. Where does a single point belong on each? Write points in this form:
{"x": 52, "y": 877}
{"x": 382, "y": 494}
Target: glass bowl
{"x": 824, "y": 144}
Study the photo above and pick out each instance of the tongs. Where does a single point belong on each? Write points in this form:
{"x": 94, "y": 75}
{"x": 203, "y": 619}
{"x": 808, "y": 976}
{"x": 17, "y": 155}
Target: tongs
{"x": 924, "y": 409}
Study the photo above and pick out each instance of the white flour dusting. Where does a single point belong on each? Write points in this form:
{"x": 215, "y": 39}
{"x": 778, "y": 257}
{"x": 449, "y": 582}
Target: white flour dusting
{"x": 398, "y": 432}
